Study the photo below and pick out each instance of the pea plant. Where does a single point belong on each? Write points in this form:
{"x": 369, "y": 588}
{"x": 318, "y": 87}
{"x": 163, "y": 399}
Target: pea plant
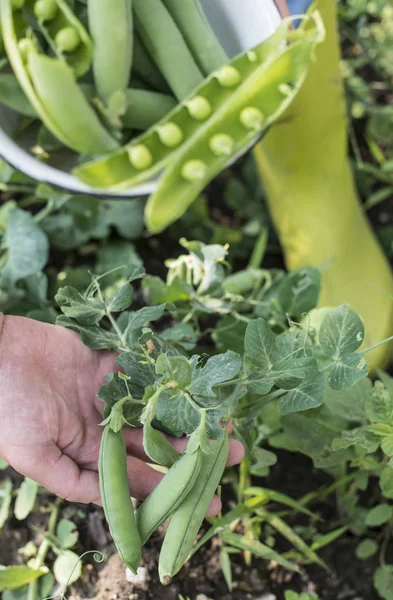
{"x": 167, "y": 384}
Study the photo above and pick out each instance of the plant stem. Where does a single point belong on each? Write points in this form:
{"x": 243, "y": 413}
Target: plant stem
{"x": 43, "y": 549}
{"x": 259, "y": 250}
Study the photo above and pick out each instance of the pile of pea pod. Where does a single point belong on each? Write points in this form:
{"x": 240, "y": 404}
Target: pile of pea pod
{"x": 138, "y": 88}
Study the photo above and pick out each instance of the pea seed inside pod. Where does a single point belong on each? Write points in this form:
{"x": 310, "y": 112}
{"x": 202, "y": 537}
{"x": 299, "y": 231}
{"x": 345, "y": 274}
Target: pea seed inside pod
{"x": 221, "y": 144}
{"x": 285, "y": 89}
{"x": 140, "y": 157}
{"x": 67, "y": 39}
{"x": 228, "y": 76}
{"x": 170, "y": 135}
{"x": 45, "y": 10}
{"x": 194, "y": 170}
{"x": 199, "y": 108}
{"x": 252, "y": 118}
{"x": 252, "y": 56}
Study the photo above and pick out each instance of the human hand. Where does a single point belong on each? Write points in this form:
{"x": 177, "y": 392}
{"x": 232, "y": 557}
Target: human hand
{"x": 50, "y": 414}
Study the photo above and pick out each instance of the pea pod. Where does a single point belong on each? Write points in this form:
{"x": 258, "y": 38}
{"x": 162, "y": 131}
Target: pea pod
{"x": 111, "y": 27}
{"x": 62, "y": 24}
{"x": 188, "y": 518}
{"x": 59, "y": 95}
{"x": 145, "y": 69}
{"x": 252, "y": 109}
{"x": 121, "y": 170}
{"x": 118, "y": 508}
{"x": 169, "y": 494}
{"x": 157, "y": 447}
{"x": 166, "y": 46}
{"x": 195, "y": 28}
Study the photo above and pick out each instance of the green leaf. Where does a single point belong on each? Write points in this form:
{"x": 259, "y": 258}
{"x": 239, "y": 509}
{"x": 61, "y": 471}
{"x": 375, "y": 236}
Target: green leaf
{"x": 286, "y": 531}
{"x": 126, "y": 216}
{"x": 226, "y": 567}
{"x": 113, "y": 392}
{"x": 387, "y": 445}
{"x": 366, "y": 549}
{"x": 177, "y": 369}
{"x": 86, "y": 311}
{"x": 308, "y": 395}
{"x": 383, "y": 582}
{"x": 5, "y": 500}
{"x": 259, "y": 383}
{"x": 259, "y": 344}
{"x": 118, "y": 255}
{"x": 95, "y": 337}
{"x": 386, "y": 482}
{"x": 12, "y": 578}
{"x": 257, "y": 548}
{"x": 262, "y": 459}
{"x": 122, "y": 299}
{"x": 229, "y": 334}
{"x": 67, "y": 568}
{"x": 3, "y": 464}
{"x": 299, "y": 291}
{"x": 379, "y": 515}
{"x": 177, "y": 414}
{"x": 218, "y": 369}
{"x": 141, "y": 375}
{"x": 66, "y": 534}
{"x": 139, "y": 318}
{"x": 379, "y": 406}
{"x": 328, "y": 538}
{"x": 291, "y": 372}
{"x": 181, "y": 334}
{"x": 341, "y": 333}
{"x": 348, "y": 371}
{"x": 349, "y": 403}
{"x": 25, "y": 499}
{"x": 27, "y": 246}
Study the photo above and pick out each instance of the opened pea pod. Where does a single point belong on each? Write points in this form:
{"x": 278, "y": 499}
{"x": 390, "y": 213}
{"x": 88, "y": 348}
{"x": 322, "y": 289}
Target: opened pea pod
{"x": 223, "y": 117}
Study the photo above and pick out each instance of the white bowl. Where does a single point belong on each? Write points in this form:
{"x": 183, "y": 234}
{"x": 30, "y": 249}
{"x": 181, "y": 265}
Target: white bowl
{"x": 237, "y": 30}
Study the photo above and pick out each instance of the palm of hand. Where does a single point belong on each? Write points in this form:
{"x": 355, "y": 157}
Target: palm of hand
{"x": 50, "y": 414}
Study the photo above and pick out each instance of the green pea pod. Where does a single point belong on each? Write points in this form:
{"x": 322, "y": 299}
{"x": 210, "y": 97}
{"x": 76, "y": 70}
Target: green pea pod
{"x": 254, "y": 106}
{"x": 62, "y": 23}
{"x": 118, "y": 508}
{"x": 113, "y": 44}
{"x": 124, "y": 169}
{"x": 144, "y": 108}
{"x": 169, "y": 494}
{"x": 167, "y": 46}
{"x": 144, "y": 68}
{"x": 188, "y": 518}
{"x": 195, "y": 28}
{"x": 11, "y": 94}
{"x": 157, "y": 447}
{"x": 60, "y": 95}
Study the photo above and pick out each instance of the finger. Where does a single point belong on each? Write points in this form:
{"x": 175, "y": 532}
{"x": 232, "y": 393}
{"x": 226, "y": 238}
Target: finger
{"x": 58, "y": 473}
{"x": 142, "y": 479}
{"x": 215, "y": 507}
